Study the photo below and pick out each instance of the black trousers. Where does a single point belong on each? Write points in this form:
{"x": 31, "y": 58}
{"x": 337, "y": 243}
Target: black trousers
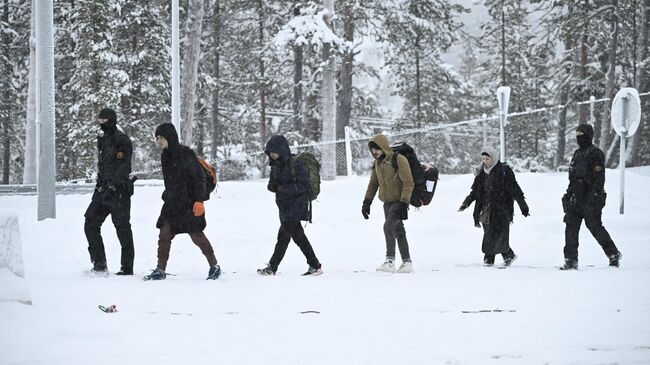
{"x": 288, "y": 231}
{"x": 120, "y": 211}
{"x": 394, "y": 231}
{"x": 593, "y": 221}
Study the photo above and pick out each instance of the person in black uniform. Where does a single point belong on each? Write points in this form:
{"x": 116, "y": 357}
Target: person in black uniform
{"x": 585, "y": 199}
{"x": 112, "y": 195}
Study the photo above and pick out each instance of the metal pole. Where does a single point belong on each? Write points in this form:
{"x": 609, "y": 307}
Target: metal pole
{"x": 484, "y": 129}
{"x": 348, "y": 151}
{"x": 45, "y": 129}
{"x": 176, "y": 80}
{"x": 621, "y": 164}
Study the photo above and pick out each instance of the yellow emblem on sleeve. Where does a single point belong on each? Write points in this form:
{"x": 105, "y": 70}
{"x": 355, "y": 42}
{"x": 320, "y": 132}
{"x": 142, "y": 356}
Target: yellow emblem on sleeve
{"x": 598, "y": 168}
{"x": 120, "y": 155}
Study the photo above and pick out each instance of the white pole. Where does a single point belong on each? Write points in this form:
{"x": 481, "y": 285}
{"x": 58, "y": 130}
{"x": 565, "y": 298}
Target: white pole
{"x": 176, "y": 80}
{"x": 502, "y": 135}
{"x": 592, "y": 101}
{"x": 46, "y": 180}
{"x": 621, "y": 164}
{"x": 348, "y": 150}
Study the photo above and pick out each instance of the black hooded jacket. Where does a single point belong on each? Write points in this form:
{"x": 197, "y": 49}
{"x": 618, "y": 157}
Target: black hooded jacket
{"x": 184, "y": 184}
{"x": 114, "y": 162}
{"x": 290, "y": 191}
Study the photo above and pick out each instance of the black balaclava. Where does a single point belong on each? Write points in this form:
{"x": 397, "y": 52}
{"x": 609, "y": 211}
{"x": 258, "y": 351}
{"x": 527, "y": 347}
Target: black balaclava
{"x": 584, "y": 135}
{"x": 108, "y": 113}
{"x": 374, "y": 145}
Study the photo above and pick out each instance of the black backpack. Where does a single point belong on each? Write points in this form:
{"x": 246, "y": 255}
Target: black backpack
{"x": 313, "y": 170}
{"x": 425, "y": 176}
{"x": 210, "y": 178}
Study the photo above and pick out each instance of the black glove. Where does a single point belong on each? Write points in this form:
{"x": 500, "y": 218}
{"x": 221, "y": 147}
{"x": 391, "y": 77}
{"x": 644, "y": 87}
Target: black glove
{"x": 400, "y": 210}
{"x": 365, "y": 209}
{"x": 462, "y": 207}
{"x": 272, "y": 187}
{"x": 524, "y": 209}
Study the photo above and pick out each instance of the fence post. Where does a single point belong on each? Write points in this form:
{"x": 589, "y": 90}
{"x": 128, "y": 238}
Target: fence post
{"x": 348, "y": 151}
{"x": 503, "y": 96}
{"x": 484, "y": 129}
{"x": 592, "y": 101}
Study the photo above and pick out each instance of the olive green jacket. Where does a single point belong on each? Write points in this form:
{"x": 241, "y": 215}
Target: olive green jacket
{"x": 393, "y": 185}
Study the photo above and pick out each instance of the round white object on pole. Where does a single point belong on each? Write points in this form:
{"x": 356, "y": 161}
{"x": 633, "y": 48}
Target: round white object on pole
{"x": 503, "y": 96}
{"x": 626, "y": 111}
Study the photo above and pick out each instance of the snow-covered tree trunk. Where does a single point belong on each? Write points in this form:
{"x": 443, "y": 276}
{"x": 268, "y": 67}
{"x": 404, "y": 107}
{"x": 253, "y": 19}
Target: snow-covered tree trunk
{"x": 262, "y": 72}
{"x": 641, "y": 81}
{"x": 297, "y": 81}
{"x": 561, "y": 128}
{"x": 328, "y": 102}
{"x": 583, "y": 110}
{"x": 29, "y": 169}
{"x": 605, "y": 132}
{"x": 7, "y": 96}
{"x": 344, "y": 96}
{"x": 216, "y": 71}
{"x": 189, "y": 75}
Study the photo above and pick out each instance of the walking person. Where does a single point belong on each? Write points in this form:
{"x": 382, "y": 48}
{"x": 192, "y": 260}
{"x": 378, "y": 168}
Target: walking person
{"x": 391, "y": 175}
{"x": 183, "y": 210}
{"x": 289, "y": 181}
{"x": 585, "y": 198}
{"x": 112, "y": 195}
{"x": 495, "y": 189}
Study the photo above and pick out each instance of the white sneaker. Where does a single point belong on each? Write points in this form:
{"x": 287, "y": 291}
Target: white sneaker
{"x": 405, "y": 268}
{"x": 387, "y": 266}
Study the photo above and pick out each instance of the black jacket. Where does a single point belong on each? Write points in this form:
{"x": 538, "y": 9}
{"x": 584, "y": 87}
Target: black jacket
{"x": 184, "y": 184}
{"x": 501, "y": 195}
{"x": 587, "y": 177}
{"x": 114, "y": 162}
{"x": 291, "y": 192}
{"x": 113, "y": 166}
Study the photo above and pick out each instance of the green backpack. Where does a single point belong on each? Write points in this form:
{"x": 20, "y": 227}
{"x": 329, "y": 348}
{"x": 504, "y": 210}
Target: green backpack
{"x": 313, "y": 170}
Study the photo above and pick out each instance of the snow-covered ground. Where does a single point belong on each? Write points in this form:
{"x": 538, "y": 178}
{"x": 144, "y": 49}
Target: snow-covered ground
{"x": 597, "y": 315}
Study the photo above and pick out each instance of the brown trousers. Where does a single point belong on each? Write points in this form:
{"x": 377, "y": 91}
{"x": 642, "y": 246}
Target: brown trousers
{"x": 165, "y": 242}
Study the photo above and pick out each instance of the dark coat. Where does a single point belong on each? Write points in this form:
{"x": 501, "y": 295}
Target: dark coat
{"x": 503, "y": 191}
{"x": 290, "y": 191}
{"x": 184, "y": 184}
{"x": 587, "y": 178}
{"x": 113, "y": 166}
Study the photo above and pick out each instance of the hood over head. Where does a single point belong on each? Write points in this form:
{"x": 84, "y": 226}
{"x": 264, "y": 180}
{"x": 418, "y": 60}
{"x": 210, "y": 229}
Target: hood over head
{"x": 168, "y": 131}
{"x": 279, "y": 145}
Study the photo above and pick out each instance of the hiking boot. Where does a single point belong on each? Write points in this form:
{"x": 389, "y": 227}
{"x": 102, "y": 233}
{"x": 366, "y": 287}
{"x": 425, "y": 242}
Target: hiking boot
{"x": 267, "y": 271}
{"x": 387, "y": 266}
{"x": 570, "y": 264}
{"x": 508, "y": 260}
{"x": 214, "y": 273}
{"x": 405, "y": 268}
{"x": 488, "y": 260}
{"x": 615, "y": 259}
{"x": 125, "y": 272}
{"x": 156, "y": 274}
{"x": 313, "y": 271}
{"x": 99, "y": 267}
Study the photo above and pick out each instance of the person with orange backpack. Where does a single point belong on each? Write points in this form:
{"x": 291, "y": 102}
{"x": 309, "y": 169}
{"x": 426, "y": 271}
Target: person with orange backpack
{"x": 183, "y": 210}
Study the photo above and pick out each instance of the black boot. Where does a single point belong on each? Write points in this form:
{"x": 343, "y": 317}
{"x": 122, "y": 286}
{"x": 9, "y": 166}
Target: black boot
{"x": 488, "y": 260}
{"x": 125, "y": 271}
{"x": 615, "y": 259}
{"x": 570, "y": 264}
{"x": 99, "y": 267}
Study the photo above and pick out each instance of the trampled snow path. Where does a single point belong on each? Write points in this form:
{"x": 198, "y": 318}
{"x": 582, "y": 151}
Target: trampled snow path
{"x": 451, "y": 310}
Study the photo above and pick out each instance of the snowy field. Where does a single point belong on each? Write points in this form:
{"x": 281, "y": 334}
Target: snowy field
{"x": 451, "y": 310}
